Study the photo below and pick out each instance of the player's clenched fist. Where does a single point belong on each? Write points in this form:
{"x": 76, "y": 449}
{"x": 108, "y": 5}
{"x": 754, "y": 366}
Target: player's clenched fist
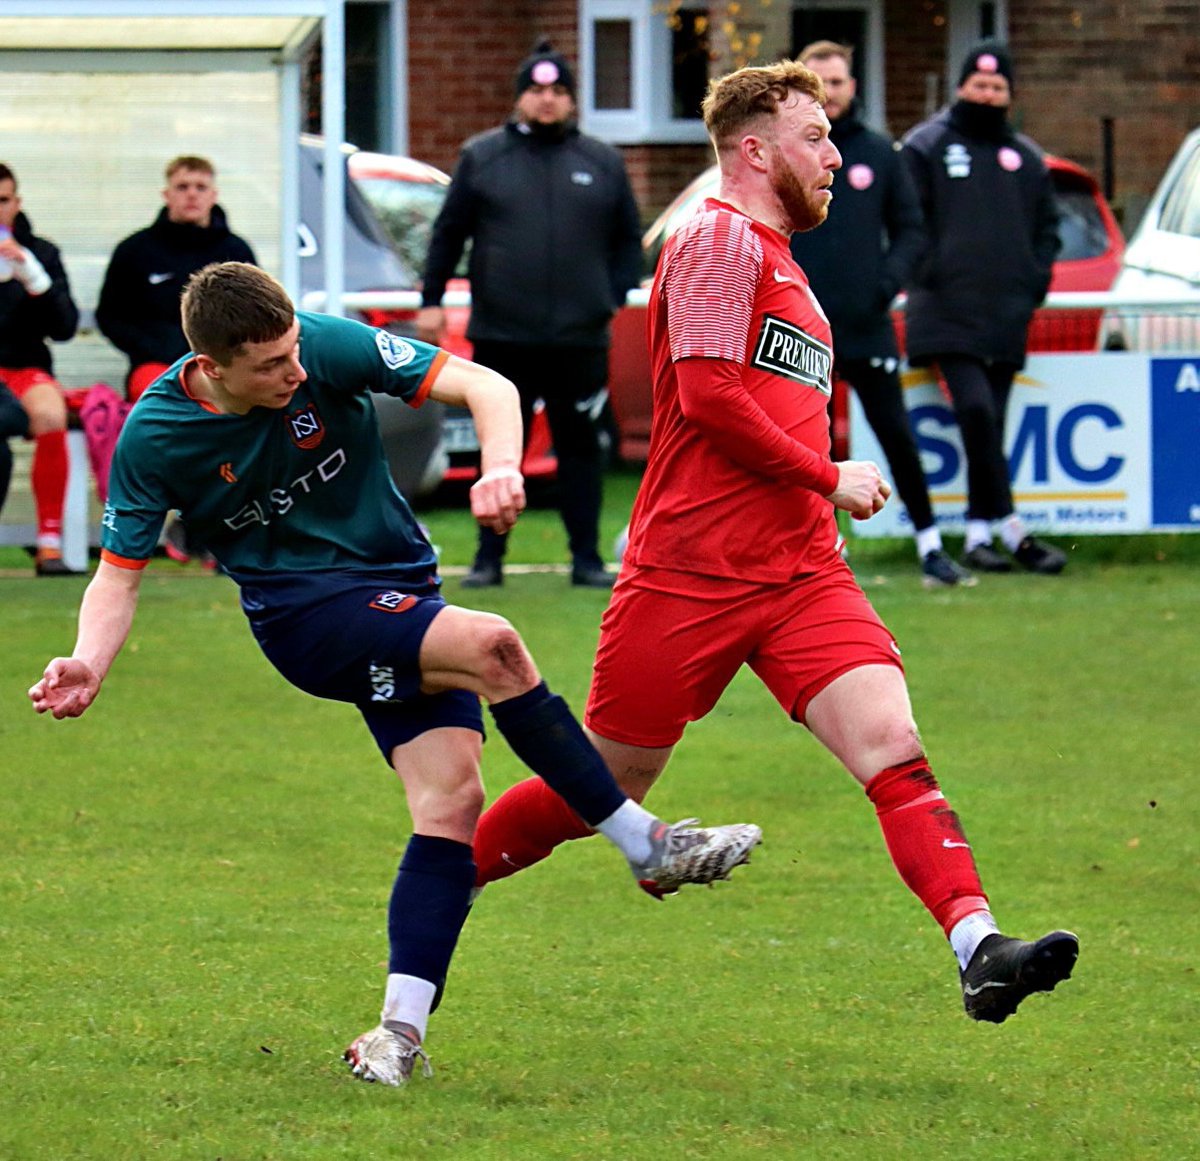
{"x": 862, "y": 491}
{"x": 498, "y": 498}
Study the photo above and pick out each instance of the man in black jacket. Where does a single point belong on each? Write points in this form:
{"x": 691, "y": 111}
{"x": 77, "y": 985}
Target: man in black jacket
{"x": 990, "y": 211}
{"x": 856, "y": 262}
{"x": 139, "y": 302}
{"x": 555, "y": 247}
{"x": 35, "y": 305}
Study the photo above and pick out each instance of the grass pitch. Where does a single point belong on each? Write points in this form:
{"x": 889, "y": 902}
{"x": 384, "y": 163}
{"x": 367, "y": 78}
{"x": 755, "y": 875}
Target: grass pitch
{"x": 195, "y": 874}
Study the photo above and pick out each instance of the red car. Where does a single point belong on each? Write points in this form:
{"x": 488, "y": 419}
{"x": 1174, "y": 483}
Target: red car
{"x": 1089, "y": 259}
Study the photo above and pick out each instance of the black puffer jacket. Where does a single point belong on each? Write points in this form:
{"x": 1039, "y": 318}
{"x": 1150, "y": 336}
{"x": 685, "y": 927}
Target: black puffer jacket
{"x": 139, "y": 302}
{"x": 990, "y": 212}
{"x": 556, "y": 237}
{"x": 27, "y": 321}
{"x": 865, "y": 251}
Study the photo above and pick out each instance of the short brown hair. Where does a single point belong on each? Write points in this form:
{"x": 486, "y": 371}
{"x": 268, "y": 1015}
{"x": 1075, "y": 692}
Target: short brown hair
{"x": 740, "y": 98}
{"x": 824, "y": 49}
{"x": 228, "y": 304}
{"x": 6, "y": 174}
{"x": 191, "y": 162}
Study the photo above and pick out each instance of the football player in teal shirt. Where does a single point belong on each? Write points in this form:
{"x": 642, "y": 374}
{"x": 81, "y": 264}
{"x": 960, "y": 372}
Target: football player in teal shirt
{"x": 265, "y": 439}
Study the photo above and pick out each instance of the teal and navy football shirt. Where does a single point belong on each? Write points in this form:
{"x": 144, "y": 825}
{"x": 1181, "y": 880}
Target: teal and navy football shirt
{"x": 301, "y": 489}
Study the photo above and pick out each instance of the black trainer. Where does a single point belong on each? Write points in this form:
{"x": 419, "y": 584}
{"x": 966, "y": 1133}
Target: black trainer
{"x": 1003, "y": 971}
{"x": 939, "y": 570}
{"x": 1038, "y": 556}
{"x": 592, "y": 576}
{"x": 483, "y": 575}
{"x": 984, "y": 558}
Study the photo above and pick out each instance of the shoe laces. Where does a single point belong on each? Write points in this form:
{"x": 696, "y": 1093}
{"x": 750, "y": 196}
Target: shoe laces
{"x": 682, "y": 836}
{"x": 409, "y": 1051}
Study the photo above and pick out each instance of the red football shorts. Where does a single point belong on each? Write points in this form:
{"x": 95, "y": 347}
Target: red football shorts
{"x": 671, "y": 642}
{"x": 20, "y": 379}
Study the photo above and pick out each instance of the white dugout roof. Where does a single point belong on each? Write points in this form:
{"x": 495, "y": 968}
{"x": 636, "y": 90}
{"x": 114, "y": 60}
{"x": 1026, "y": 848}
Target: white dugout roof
{"x": 97, "y": 95}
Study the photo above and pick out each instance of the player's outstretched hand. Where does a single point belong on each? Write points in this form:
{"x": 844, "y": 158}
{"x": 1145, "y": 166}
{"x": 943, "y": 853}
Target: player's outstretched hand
{"x": 862, "y": 491}
{"x": 498, "y": 498}
{"x": 67, "y": 688}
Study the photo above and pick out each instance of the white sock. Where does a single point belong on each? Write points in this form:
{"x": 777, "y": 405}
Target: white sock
{"x": 928, "y": 540}
{"x": 967, "y": 934}
{"x": 629, "y": 827}
{"x": 408, "y": 1000}
{"x": 1012, "y": 531}
{"x": 978, "y": 532}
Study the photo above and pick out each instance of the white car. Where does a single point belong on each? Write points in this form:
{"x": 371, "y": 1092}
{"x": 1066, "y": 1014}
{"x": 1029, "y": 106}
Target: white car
{"x": 1159, "y": 281}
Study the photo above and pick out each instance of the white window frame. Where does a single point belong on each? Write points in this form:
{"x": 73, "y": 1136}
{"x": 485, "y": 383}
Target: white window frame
{"x": 649, "y": 120}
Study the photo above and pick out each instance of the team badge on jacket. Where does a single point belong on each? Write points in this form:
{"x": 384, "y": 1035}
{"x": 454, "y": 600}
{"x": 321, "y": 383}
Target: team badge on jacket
{"x": 860, "y": 176}
{"x": 305, "y": 427}
{"x": 957, "y": 160}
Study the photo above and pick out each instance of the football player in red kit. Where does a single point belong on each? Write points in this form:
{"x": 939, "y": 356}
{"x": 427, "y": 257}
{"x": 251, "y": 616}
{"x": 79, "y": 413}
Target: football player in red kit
{"x": 733, "y": 548}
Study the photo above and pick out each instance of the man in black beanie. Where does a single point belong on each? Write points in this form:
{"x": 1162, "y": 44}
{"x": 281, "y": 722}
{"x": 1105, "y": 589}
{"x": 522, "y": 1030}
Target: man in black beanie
{"x": 556, "y": 244}
{"x": 993, "y": 225}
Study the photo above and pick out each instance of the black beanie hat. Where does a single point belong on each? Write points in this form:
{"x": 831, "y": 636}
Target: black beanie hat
{"x": 989, "y": 57}
{"x": 545, "y": 67}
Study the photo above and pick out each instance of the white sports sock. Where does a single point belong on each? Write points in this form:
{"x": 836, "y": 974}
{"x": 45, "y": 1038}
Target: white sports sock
{"x": 408, "y": 999}
{"x": 928, "y": 540}
{"x": 629, "y": 827}
{"x": 978, "y": 532}
{"x": 1012, "y": 531}
{"x": 968, "y": 933}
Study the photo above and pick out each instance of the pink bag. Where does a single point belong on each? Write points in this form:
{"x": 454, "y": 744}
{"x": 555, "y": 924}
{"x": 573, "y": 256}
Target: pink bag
{"x": 102, "y": 415}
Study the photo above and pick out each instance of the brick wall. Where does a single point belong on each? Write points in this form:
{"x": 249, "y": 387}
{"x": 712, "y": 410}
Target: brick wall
{"x": 915, "y": 42}
{"x": 463, "y": 60}
{"x": 658, "y": 172}
{"x": 1135, "y": 61}
{"x": 1077, "y": 62}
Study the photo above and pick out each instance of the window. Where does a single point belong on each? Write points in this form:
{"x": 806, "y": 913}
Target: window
{"x": 645, "y": 70}
{"x": 612, "y": 84}
{"x": 1181, "y": 210}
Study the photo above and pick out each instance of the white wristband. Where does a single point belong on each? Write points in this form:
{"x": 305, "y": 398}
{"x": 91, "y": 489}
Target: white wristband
{"x": 32, "y": 274}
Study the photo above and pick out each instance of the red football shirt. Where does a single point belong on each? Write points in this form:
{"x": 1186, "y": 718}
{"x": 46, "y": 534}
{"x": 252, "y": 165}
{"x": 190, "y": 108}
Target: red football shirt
{"x": 742, "y": 360}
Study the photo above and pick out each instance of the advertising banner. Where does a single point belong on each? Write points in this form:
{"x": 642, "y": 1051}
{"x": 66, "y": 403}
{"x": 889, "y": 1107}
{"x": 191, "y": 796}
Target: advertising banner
{"x": 1096, "y": 443}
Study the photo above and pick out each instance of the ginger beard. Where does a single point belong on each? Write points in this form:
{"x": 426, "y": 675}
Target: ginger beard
{"x": 805, "y": 208}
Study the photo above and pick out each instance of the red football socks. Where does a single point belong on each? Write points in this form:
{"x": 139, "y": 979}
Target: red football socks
{"x": 926, "y": 842}
{"x": 522, "y": 827}
{"x": 48, "y": 476}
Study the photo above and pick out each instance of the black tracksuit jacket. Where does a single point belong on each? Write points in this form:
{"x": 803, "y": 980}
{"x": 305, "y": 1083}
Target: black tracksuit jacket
{"x": 139, "y": 302}
{"x": 993, "y": 224}
{"x": 26, "y": 320}
{"x": 556, "y": 237}
{"x": 865, "y": 250}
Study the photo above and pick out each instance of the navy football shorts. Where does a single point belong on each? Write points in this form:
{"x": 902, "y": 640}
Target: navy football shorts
{"x": 349, "y": 637}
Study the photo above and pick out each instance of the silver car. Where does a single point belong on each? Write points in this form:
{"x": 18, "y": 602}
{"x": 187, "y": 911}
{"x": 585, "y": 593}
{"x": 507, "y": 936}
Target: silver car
{"x": 412, "y": 437}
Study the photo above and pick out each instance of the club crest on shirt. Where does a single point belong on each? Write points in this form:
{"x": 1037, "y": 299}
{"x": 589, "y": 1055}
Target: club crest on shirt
{"x": 784, "y": 349}
{"x": 395, "y": 352}
{"x": 305, "y": 427}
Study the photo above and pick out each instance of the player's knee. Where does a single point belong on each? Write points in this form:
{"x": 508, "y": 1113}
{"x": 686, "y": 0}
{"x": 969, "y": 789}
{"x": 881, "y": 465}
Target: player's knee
{"x": 889, "y": 742}
{"x": 47, "y": 417}
{"x": 505, "y": 666}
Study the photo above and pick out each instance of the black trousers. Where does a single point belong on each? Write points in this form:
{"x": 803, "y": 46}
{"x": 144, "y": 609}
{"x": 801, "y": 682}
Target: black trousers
{"x": 980, "y": 392}
{"x": 13, "y": 421}
{"x": 882, "y": 398}
{"x": 567, "y": 380}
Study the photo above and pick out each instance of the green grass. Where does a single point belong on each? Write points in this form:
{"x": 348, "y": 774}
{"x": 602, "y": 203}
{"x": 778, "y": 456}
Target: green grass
{"x": 195, "y": 874}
